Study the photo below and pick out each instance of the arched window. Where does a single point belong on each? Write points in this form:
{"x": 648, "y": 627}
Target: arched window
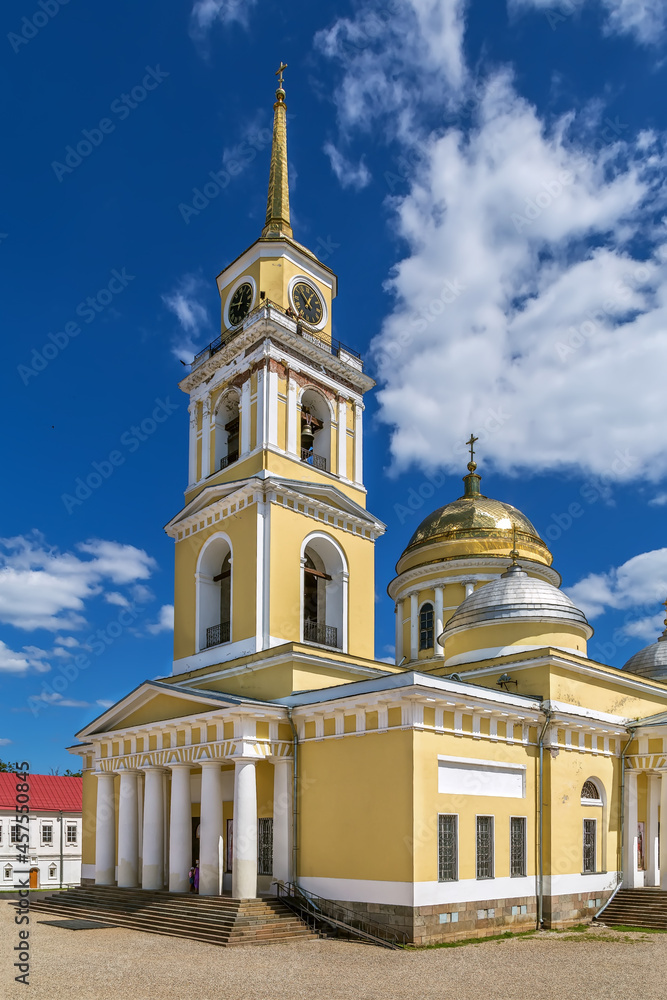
{"x": 591, "y": 794}
{"x": 53, "y": 871}
{"x": 214, "y": 593}
{"x": 227, "y": 423}
{"x": 315, "y": 430}
{"x": 426, "y": 627}
{"x": 324, "y": 592}
{"x": 8, "y": 872}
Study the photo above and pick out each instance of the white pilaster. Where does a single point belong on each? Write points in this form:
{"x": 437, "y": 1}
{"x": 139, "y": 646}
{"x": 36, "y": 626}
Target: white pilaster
{"x": 631, "y": 878}
{"x": 206, "y": 438}
{"x": 128, "y": 831}
{"x": 399, "y": 631}
{"x": 152, "y": 871}
{"x": 211, "y": 827}
{"x": 272, "y": 408}
{"x": 663, "y": 839}
{"x": 180, "y": 828}
{"x": 261, "y": 408}
{"x": 245, "y": 417}
{"x": 282, "y": 819}
{"x": 105, "y": 830}
{"x": 244, "y": 863}
{"x": 651, "y": 847}
{"x": 342, "y": 439}
{"x": 192, "y": 445}
{"x": 262, "y": 570}
{"x": 414, "y": 626}
{"x": 292, "y": 415}
{"x": 358, "y": 444}
{"x": 438, "y": 626}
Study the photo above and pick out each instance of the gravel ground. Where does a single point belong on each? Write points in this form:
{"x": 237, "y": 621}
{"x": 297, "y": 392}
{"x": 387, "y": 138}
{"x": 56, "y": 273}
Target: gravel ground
{"x": 117, "y": 963}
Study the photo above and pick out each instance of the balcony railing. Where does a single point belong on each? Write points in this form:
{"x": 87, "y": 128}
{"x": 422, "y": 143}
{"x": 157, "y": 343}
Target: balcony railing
{"x": 217, "y": 634}
{"x": 229, "y": 459}
{"x": 345, "y": 354}
{"x": 315, "y": 460}
{"x": 325, "y": 635}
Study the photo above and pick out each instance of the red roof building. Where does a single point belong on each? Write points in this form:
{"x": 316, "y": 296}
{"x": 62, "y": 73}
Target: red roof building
{"x": 48, "y": 792}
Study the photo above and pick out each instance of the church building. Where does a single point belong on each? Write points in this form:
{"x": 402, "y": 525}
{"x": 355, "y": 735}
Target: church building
{"x": 494, "y": 778}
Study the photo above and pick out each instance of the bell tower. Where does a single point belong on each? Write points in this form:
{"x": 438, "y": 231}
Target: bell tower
{"x": 274, "y": 545}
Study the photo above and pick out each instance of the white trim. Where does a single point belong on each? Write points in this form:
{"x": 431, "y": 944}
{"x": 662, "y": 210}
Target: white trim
{"x": 358, "y": 472}
{"x": 87, "y": 871}
{"x": 246, "y": 422}
{"x": 272, "y": 409}
{"x": 341, "y": 426}
{"x": 431, "y": 893}
{"x": 565, "y": 885}
{"x": 308, "y": 281}
{"x": 482, "y": 762}
{"x": 292, "y": 415}
{"x": 216, "y": 537}
{"x": 277, "y": 248}
{"x": 476, "y": 569}
{"x": 261, "y": 571}
{"x": 244, "y": 279}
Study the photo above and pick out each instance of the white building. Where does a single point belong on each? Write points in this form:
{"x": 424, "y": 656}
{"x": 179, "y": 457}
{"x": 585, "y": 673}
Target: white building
{"x": 54, "y": 831}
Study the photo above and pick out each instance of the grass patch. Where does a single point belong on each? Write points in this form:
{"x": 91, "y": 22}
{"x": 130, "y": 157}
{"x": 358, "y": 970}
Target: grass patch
{"x": 506, "y": 935}
{"x": 627, "y": 928}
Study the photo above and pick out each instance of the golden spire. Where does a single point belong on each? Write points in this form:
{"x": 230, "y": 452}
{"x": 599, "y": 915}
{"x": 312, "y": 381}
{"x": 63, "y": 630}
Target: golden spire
{"x": 472, "y": 480}
{"x": 277, "y": 206}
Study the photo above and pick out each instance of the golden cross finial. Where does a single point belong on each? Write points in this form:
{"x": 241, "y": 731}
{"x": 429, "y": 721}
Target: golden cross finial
{"x": 515, "y": 552}
{"x": 279, "y": 74}
{"x": 471, "y": 445}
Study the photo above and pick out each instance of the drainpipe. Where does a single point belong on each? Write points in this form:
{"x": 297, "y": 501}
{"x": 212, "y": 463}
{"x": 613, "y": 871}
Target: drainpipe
{"x": 61, "y": 848}
{"x": 548, "y": 715}
{"x": 295, "y": 788}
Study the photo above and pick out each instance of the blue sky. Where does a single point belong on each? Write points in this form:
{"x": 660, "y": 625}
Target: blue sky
{"x": 487, "y": 180}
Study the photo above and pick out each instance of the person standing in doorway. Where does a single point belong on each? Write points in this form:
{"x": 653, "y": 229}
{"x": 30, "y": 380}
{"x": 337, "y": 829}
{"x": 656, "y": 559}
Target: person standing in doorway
{"x": 191, "y": 879}
{"x": 196, "y": 878}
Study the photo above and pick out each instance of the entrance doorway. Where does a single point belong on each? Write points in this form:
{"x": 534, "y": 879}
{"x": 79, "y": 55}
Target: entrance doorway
{"x": 34, "y": 878}
{"x": 195, "y": 839}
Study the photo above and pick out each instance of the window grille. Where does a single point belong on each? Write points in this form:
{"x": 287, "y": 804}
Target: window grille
{"x": 14, "y": 835}
{"x": 217, "y": 634}
{"x": 53, "y": 871}
{"x": 426, "y": 627}
{"x": 517, "y": 846}
{"x": 47, "y": 835}
{"x": 325, "y": 635}
{"x": 589, "y": 845}
{"x": 590, "y": 791}
{"x": 70, "y": 836}
{"x": 485, "y": 847}
{"x": 447, "y": 848}
{"x": 265, "y": 846}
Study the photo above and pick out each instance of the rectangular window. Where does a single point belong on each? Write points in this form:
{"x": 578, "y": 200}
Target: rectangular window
{"x": 14, "y": 834}
{"x": 485, "y": 847}
{"x": 517, "y": 846}
{"x": 47, "y": 834}
{"x": 447, "y": 848}
{"x": 265, "y": 846}
{"x": 589, "y": 845}
{"x": 0, "y": 834}
{"x": 70, "y": 836}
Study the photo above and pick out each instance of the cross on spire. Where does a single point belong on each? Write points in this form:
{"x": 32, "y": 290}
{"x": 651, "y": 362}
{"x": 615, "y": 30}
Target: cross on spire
{"x": 279, "y": 74}
{"x": 471, "y": 445}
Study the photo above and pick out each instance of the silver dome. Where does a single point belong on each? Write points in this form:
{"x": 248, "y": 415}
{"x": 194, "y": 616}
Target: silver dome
{"x": 515, "y": 596}
{"x": 651, "y": 661}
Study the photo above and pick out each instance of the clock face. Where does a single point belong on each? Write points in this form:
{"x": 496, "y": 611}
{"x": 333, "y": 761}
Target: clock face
{"x": 307, "y": 303}
{"x": 240, "y": 303}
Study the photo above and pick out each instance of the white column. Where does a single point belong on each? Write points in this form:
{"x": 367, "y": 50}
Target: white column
{"x": 192, "y": 445}
{"x": 152, "y": 871}
{"x": 437, "y": 615}
{"x": 261, "y": 408}
{"x": 663, "y": 838}
{"x": 105, "y": 830}
{"x": 292, "y": 415}
{"x": 342, "y": 438}
{"x": 140, "y": 820}
{"x": 128, "y": 831}
{"x": 358, "y": 444}
{"x": 262, "y": 578}
{"x": 206, "y": 438}
{"x": 651, "y": 847}
{"x": 630, "y": 873}
{"x": 414, "y": 626}
{"x": 282, "y": 819}
{"x": 180, "y": 828}
{"x": 398, "y": 642}
{"x": 272, "y": 408}
{"x": 244, "y": 847}
{"x": 210, "y": 830}
{"x": 245, "y": 417}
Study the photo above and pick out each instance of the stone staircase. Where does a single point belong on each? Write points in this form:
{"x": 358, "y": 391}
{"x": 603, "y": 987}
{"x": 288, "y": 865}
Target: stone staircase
{"x": 636, "y": 908}
{"x": 216, "y": 919}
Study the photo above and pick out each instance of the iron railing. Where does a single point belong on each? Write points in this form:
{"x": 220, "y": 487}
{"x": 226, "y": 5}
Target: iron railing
{"x": 325, "y": 635}
{"x": 330, "y": 917}
{"x": 229, "y": 459}
{"x": 317, "y": 461}
{"x": 335, "y": 347}
{"x": 217, "y": 634}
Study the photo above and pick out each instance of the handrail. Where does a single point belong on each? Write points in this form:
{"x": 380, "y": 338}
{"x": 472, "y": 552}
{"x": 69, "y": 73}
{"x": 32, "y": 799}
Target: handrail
{"x": 331, "y": 346}
{"x": 313, "y": 910}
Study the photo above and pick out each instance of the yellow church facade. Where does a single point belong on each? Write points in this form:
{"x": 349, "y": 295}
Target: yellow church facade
{"x": 494, "y": 776}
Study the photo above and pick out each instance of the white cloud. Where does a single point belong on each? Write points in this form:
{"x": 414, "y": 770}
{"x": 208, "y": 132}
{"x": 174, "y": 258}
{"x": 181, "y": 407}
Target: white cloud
{"x": 41, "y": 587}
{"x": 186, "y": 305}
{"x": 67, "y": 640}
{"x": 205, "y": 13}
{"x": 638, "y": 586}
{"x": 56, "y": 700}
{"x": 104, "y": 703}
{"x": 165, "y": 622}
{"x": 4, "y": 741}
{"x": 646, "y": 20}
{"x": 141, "y": 593}
{"x": 349, "y": 175}
{"x": 113, "y": 597}
{"x": 660, "y": 500}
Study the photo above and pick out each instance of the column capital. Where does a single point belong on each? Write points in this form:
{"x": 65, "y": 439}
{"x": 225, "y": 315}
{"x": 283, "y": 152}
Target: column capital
{"x": 180, "y": 764}
{"x": 156, "y": 768}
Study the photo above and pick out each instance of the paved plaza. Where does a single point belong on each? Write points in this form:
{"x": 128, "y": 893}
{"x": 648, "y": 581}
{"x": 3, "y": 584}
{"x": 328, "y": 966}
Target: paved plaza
{"x": 114, "y": 963}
